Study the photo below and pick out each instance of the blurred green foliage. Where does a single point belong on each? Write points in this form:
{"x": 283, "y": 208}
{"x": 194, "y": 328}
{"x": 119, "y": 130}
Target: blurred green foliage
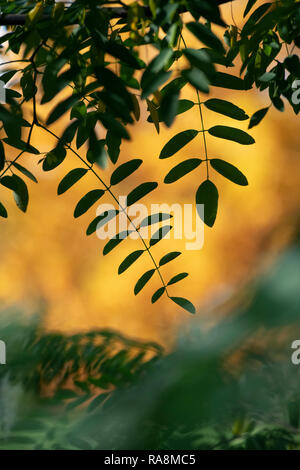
{"x": 229, "y": 386}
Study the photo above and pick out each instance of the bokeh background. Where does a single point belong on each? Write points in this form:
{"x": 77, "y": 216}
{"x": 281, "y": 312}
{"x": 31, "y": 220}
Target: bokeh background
{"x": 48, "y": 264}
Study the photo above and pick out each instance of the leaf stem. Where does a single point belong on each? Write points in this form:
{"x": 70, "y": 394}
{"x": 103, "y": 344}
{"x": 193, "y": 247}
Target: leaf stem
{"x": 203, "y": 133}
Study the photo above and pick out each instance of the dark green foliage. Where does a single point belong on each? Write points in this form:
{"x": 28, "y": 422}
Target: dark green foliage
{"x": 208, "y": 196}
{"x": 181, "y": 170}
{"x": 229, "y": 171}
{"x": 177, "y": 142}
{"x": 214, "y": 390}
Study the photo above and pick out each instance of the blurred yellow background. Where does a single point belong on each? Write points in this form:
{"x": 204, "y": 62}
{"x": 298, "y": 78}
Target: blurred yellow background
{"x": 49, "y": 265}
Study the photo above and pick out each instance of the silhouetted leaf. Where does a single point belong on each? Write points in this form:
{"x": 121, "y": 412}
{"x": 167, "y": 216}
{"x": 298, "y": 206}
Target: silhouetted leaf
{"x": 124, "y": 170}
{"x": 140, "y": 191}
{"x": 143, "y": 281}
{"x": 154, "y": 219}
{"x": 206, "y": 36}
{"x": 184, "y": 303}
{"x": 160, "y": 234}
{"x": 113, "y": 242}
{"x": 157, "y": 295}
{"x": 169, "y": 107}
{"x": 3, "y": 211}
{"x": 25, "y": 172}
{"x": 2, "y": 156}
{"x": 17, "y": 185}
{"x": 101, "y": 220}
{"x": 257, "y": 117}
{"x": 70, "y": 179}
{"x": 177, "y": 278}
{"x": 197, "y": 78}
{"x": 153, "y": 82}
{"x": 229, "y": 171}
{"x": 226, "y": 108}
{"x": 207, "y": 194}
{"x": 113, "y": 143}
{"x": 249, "y": 5}
{"x": 21, "y": 145}
{"x": 153, "y": 114}
{"x": 129, "y": 260}
{"x": 87, "y": 201}
{"x": 231, "y": 133}
{"x": 169, "y": 257}
{"x": 54, "y": 158}
{"x": 225, "y": 80}
{"x": 182, "y": 169}
{"x": 177, "y": 142}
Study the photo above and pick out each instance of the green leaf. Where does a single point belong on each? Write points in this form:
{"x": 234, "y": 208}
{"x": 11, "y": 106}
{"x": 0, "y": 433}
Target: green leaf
{"x": 160, "y": 61}
{"x": 19, "y": 188}
{"x": 3, "y": 211}
{"x": 169, "y": 107}
{"x": 121, "y": 52}
{"x": 69, "y": 133}
{"x": 183, "y": 106}
{"x": 206, "y": 36}
{"x": 21, "y": 145}
{"x": 101, "y": 220}
{"x": 70, "y": 179}
{"x": 225, "y": 80}
{"x": 153, "y": 82}
{"x": 226, "y": 108}
{"x": 129, "y": 260}
{"x": 177, "y": 142}
{"x": 140, "y": 191}
{"x": 154, "y": 219}
{"x": 54, "y": 158}
{"x": 87, "y": 201}
{"x": 153, "y": 110}
{"x": 200, "y": 59}
{"x": 231, "y": 133}
{"x": 124, "y": 170}
{"x": 184, "y": 303}
{"x": 143, "y": 281}
{"x": 113, "y": 242}
{"x": 249, "y": 5}
{"x": 207, "y": 194}
{"x": 207, "y": 9}
{"x": 25, "y": 172}
{"x": 113, "y": 143}
{"x": 197, "y": 78}
{"x": 182, "y": 169}
{"x": 2, "y": 156}
{"x": 160, "y": 234}
{"x": 169, "y": 257}
{"x": 267, "y": 77}
{"x": 229, "y": 171}
{"x": 61, "y": 109}
{"x": 257, "y": 117}
{"x": 96, "y": 152}
{"x": 177, "y": 278}
{"x": 157, "y": 295}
